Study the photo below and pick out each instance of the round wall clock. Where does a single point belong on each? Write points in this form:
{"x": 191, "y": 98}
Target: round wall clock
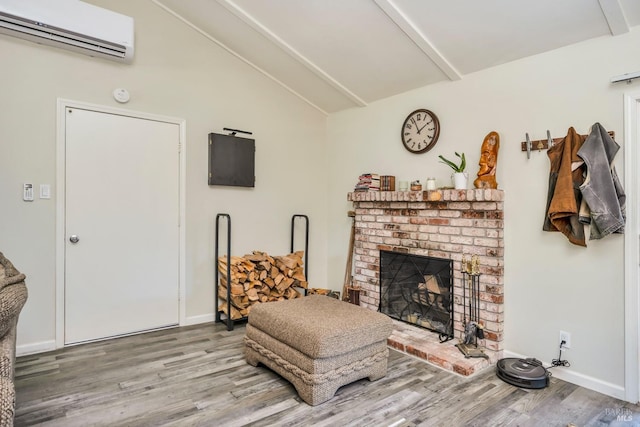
{"x": 420, "y": 131}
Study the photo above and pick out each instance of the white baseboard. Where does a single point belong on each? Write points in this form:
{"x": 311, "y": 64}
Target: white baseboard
{"x": 38, "y": 347}
{"x": 196, "y": 320}
{"x": 582, "y": 380}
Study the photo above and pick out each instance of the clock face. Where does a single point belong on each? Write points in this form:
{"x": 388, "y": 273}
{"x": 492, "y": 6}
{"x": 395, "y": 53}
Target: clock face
{"x": 420, "y": 131}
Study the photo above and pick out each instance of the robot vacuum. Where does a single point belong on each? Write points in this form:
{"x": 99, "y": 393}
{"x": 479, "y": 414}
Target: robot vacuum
{"x": 526, "y": 373}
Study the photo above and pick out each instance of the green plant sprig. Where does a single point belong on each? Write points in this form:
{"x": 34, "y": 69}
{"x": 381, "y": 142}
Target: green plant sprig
{"x": 456, "y": 168}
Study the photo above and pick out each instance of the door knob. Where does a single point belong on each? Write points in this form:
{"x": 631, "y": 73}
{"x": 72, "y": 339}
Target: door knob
{"x": 74, "y": 238}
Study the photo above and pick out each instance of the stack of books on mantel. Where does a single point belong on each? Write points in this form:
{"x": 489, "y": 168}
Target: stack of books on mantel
{"x": 368, "y": 182}
{"x": 375, "y": 182}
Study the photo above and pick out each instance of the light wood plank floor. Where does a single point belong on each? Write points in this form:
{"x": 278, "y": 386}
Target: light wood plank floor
{"x": 196, "y": 376}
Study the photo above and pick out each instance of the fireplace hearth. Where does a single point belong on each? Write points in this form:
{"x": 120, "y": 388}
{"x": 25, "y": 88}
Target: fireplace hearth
{"x": 417, "y": 289}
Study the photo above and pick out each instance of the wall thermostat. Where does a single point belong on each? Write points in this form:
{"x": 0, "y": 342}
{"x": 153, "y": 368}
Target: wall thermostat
{"x": 27, "y": 192}
{"x": 121, "y": 95}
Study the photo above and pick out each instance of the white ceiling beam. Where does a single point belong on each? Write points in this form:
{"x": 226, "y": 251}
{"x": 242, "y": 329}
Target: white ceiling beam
{"x": 412, "y": 31}
{"x": 237, "y": 55}
{"x": 614, "y": 14}
{"x": 273, "y": 38}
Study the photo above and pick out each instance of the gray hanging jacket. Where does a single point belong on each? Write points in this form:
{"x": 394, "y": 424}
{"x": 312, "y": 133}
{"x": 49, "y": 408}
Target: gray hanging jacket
{"x": 601, "y": 191}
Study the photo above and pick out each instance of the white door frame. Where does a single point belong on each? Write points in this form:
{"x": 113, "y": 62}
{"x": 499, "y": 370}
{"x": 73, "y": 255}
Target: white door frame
{"x": 631, "y": 247}
{"x": 62, "y": 104}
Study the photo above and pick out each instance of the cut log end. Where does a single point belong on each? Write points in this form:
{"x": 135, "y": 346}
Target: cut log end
{"x": 257, "y": 278}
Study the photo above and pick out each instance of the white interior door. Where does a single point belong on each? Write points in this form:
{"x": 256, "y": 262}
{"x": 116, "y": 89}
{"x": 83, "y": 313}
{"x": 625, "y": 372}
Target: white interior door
{"x": 121, "y": 224}
{"x": 632, "y": 246}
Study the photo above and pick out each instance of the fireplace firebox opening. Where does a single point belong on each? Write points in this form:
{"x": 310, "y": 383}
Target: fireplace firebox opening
{"x": 418, "y": 290}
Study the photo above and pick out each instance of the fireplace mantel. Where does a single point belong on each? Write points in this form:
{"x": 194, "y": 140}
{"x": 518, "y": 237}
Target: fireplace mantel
{"x": 442, "y": 223}
{"x": 442, "y": 195}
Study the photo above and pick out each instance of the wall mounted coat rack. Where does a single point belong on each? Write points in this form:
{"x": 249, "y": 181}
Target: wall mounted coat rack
{"x": 545, "y": 144}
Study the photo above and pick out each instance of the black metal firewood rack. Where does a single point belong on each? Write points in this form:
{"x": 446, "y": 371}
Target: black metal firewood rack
{"x": 306, "y": 242}
{"x": 216, "y": 299}
{"x": 219, "y": 313}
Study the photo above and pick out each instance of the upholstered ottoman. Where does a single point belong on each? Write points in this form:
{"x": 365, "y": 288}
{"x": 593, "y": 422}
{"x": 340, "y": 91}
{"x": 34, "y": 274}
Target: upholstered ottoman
{"x": 318, "y": 343}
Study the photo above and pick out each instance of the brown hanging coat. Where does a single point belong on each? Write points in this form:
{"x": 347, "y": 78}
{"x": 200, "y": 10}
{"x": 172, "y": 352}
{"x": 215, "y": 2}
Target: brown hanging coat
{"x": 565, "y": 178}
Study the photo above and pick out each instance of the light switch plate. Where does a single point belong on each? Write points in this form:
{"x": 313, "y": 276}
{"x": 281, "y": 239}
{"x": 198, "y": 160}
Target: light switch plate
{"x": 45, "y": 191}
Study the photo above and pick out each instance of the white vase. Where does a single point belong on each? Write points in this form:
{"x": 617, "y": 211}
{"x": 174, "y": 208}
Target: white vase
{"x": 460, "y": 180}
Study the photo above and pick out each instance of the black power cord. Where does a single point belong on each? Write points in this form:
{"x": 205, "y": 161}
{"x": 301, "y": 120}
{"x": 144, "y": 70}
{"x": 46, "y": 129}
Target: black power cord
{"x": 559, "y": 362}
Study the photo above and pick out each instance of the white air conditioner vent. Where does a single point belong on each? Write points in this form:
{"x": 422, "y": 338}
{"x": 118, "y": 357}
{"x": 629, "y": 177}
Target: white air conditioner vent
{"x": 70, "y": 24}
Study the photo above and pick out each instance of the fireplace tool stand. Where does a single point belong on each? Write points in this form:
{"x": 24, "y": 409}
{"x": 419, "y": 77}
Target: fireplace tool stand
{"x": 471, "y": 306}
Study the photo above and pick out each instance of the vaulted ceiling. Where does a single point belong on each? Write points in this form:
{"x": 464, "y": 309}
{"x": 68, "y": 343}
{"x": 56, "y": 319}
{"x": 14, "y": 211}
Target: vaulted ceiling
{"x": 339, "y": 54}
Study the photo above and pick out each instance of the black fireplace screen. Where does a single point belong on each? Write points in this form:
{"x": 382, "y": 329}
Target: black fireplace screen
{"x": 418, "y": 290}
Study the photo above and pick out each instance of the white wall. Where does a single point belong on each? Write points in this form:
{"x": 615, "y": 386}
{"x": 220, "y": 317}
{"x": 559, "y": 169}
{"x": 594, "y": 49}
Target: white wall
{"x": 179, "y": 73}
{"x": 550, "y": 285}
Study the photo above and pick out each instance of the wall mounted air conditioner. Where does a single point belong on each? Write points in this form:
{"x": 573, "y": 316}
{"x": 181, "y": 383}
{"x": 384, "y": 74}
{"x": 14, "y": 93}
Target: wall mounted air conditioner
{"x": 70, "y": 24}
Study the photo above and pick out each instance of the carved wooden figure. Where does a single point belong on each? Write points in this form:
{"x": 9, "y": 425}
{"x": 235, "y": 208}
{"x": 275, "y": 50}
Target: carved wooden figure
{"x": 488, "y": 162}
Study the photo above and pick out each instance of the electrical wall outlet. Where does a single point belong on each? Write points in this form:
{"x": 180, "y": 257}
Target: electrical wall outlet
{"x": 566, "y": 337}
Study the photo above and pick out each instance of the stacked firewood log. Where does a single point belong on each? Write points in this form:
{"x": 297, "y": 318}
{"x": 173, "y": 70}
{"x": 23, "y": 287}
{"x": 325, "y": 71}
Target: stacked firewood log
{"x": 258, "y": 278}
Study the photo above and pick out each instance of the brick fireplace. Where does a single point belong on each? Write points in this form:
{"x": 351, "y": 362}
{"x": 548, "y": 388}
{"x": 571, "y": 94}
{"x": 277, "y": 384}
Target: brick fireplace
{"x": 443, "y": 223}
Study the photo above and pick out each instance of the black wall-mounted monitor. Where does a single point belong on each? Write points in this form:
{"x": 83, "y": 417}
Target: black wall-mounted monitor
{"x": 231, "y": 160}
